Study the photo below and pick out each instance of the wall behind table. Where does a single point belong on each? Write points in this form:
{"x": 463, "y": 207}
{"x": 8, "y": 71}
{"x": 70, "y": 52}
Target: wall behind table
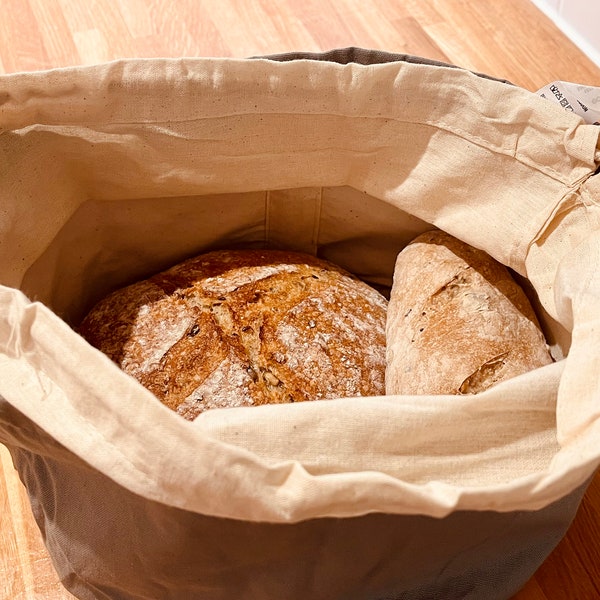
{"x": 579, "y": 20}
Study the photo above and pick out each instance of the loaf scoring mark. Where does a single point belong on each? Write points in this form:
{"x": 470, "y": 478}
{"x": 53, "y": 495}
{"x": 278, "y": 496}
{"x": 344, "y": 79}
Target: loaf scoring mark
{"x": 453, "y": 286}
{"x": 226, "y": 387}
{"x": 154, "y": 337}
{"x": 488, "y": 372}
{"x": 456, "y": 291}
{"x": 236, "y": 278}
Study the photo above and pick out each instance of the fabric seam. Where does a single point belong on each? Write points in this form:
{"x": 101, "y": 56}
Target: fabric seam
{"x": 440, "y": 125}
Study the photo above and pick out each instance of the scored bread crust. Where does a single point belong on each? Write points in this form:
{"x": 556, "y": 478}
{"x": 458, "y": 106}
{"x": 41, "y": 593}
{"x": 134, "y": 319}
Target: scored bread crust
{"x": 245, "y": 327}
{"x": 458, "y": 323}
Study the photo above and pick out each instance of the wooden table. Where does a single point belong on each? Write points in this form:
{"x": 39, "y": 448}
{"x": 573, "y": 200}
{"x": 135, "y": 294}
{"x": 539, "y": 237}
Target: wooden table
{"x": 26, "y": 572}
{"x": 508, "y": 39}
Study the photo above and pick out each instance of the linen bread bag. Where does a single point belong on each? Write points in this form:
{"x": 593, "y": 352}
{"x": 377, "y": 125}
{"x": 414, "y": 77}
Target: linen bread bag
{"x": 113, "y": 172}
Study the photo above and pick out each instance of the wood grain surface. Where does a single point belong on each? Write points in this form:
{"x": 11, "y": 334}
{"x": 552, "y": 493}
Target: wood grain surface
{"x": 509, "y": 39}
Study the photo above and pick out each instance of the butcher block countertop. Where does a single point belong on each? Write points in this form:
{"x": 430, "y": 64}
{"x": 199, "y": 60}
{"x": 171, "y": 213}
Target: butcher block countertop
{"x": 509, "y": 39}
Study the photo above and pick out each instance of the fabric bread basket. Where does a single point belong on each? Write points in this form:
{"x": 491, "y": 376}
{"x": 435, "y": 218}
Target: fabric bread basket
{"x": 111, "y": 172}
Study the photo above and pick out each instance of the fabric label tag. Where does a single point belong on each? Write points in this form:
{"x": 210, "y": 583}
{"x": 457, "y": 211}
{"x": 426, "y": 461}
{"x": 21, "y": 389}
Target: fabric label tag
{"x": 583, "y": 100}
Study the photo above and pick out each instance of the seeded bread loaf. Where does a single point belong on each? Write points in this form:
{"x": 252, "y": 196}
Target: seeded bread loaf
{"x": 458, "y": 323}
{"x": 245, "y": 327}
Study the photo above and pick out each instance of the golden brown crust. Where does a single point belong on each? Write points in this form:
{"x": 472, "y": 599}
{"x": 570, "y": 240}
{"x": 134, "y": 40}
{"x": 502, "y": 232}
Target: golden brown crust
{"x": 245, "y": 327}
{"x": 458, "y": 323}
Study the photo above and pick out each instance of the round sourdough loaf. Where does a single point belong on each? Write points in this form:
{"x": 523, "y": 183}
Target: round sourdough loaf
{"x": 245, "y": 327}
{"x": 457, "y": 323}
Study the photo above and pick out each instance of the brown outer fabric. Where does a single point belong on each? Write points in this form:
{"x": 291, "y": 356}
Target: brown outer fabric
{"x": 364, "y": 56}
{"x": 109, "y": 544}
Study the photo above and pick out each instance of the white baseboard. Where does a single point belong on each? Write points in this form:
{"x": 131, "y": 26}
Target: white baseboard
{"x": 590, "y": 50}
